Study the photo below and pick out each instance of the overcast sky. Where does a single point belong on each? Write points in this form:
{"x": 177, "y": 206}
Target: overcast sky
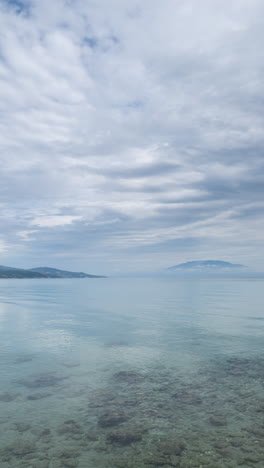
{"x": 131, "y": 133}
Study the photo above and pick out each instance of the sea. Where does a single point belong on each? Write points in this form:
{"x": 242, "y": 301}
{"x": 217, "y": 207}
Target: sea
{"x": 132, "y": 373}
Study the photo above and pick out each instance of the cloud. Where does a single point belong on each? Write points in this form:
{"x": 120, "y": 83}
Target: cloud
{"x": 131, "y": 133}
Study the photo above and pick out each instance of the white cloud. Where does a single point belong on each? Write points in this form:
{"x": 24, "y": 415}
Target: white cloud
{"x": 54, "y": 221}
{"x": 129, "y": 124}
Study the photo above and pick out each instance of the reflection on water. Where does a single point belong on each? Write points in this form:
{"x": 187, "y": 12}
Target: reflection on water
{"x": 115, "y": 373}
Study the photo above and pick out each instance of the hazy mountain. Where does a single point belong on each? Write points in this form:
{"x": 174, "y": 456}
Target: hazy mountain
{"x": 55, "y": 273}
{"x": 41, "y": 272}
{"x": 9, "y": 272}
{"x": 205, "y": 265}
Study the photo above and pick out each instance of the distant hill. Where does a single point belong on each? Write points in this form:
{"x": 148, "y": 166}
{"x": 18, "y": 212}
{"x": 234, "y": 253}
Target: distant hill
{"x": 55, "y": 273}
{"x": 42, "y": 272}
{"x": 206, "y": 265}
{"x": 9, "y": 272}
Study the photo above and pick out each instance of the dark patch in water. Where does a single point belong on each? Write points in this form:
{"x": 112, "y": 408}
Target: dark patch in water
{"x": 38, "y": 396}
{"x": 211, "y": 418}
{"x": 68, "y": 457}
{"x": 23, "y": 359}
{"x": 112, "y": 418}
{"x": 22, "y": 427}
{"x": 187, "y": 398}
{"x": 168, "y": 453}
{"x": 69, "y": 427}
{"x": 42, "y": 381}
{"x": 130, "y": 377}
{"x": 116, "y": 344}
{"x": 19, "y": 448}
{"x": 8, "y": 397}
{"x": 124, "y": 437}
{"x": 101, "y": 398}
{"x": 218, "y": 420}
{"x": 71, "y": 364}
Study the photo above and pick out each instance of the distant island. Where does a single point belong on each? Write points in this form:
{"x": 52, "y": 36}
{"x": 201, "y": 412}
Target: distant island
{"x": 41, "y": 272}
{"x": 205, "y": 265}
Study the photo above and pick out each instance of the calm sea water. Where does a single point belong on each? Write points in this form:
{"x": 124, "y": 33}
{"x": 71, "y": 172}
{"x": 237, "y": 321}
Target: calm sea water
{"x": 132, "y": 373}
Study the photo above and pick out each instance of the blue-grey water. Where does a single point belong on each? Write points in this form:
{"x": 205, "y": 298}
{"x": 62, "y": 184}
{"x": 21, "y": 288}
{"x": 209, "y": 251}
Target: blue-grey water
{"x": 132, "y": 373}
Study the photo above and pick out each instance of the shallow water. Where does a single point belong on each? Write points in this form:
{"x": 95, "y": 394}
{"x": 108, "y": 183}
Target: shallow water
{"x": 132, "y": 373}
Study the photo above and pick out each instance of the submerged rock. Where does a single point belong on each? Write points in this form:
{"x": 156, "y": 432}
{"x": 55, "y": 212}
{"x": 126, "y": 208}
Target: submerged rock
{"x": 171, "y": 447}
{"x": 128, "y": 376}
{"x": 169, "y": 452}
{"x": 124, "y": 437}
{"x": 22, "y": 359}
{"x": 38, "y": 396}
{"x": 221, "y": 444}
{"x": 241, "y": 362}
{"x": 22, "y": 427}
{"x": 187, "y": 397}
{"x": 112, "y": 418}
{"x": 45, "y": 432}
{"x": 8, "y": 397}
{"x": 70, "y": 463}
{"x": 44, "y": 435}
{"x": 71, "y": 364}
{"x": 19, "y": 448}
{"x": 42, "y": 381}
{"x": 41, "y": 464}
{"x": 218, "y": 420}
{"x": 117, "y": 343}
{"x": 92, "y": 436}
{"x": 101, "y": 398}
{"x": 69, "y": 427}
{"x": 157, "y": 460}
{"x": 68, "y": 457}
{"x": 237, "y": 442}
{"x": 67, "y": 453}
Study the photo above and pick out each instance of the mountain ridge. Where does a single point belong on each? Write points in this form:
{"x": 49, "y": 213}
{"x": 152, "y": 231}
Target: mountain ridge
{"x": 41, "y": 272}
{"x": 56, "y": 273}
{"x": 206, "y": 265}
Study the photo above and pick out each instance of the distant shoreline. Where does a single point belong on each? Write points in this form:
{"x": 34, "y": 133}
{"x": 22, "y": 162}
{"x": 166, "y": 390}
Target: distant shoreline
{"x": 42, "y": 272}
{"x": 52, "y": 278}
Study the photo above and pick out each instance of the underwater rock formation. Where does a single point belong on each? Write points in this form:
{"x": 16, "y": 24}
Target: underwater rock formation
{"x": 8, "y": 397}
{"x": 69, "y": 427}
{"x": 187, "y": 397}
{"x": 41, "y": 381}
{"x": 19, "y": 448}
{"x": 171, "y": 447}
{"x": 124, "y": 437}
{"x": 23, "y": 359}
{"x": 71, "y": 364}
{"x": 128, "y": 377}
{"x": 169, "y": 453}
{"x": 22, "y": 427}
{"x": 68, "y": 457}
{"x": 115, "y": 344}
{"x": 38, "y": 396}
{"x": 112, "y": 418}
{"x": 208, "y": 417}
{"x": 101, "y": 398}
{"x": 218, "y": 420}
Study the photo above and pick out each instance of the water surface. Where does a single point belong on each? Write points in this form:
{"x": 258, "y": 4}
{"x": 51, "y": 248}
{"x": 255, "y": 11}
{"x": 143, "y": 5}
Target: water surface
{"x": 132, "y": 373}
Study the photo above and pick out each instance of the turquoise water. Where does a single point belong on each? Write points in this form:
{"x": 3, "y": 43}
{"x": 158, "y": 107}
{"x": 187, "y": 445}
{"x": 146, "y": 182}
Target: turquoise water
{"x": 132, "y": 373}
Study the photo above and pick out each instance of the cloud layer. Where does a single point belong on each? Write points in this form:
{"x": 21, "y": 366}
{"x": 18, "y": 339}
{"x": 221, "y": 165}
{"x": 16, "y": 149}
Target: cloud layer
{"x": 131, "y": 133}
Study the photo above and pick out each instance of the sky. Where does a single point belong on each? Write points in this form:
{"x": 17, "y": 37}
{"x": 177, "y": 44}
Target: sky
{"x": 131, "y": 133}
